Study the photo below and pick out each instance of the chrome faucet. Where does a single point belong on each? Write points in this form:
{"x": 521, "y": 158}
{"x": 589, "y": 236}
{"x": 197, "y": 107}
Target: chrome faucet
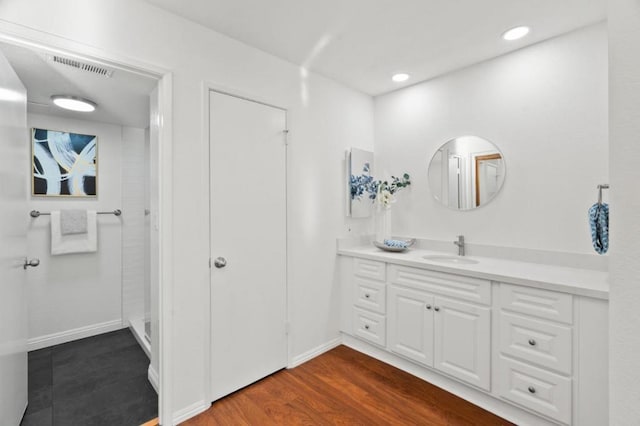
{"x": 460, "y": 244}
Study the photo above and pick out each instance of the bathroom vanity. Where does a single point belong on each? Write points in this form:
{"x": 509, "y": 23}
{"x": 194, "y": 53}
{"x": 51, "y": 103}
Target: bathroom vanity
{"x": 527, "y": 341}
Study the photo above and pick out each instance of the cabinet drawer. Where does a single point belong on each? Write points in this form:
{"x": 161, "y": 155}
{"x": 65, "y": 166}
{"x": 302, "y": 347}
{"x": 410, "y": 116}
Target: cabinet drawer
{"x": 544, "y": 304}
{"x": 538, "y": 390}
{"x": 369, "y": 269}
{"x": 458, "y": 286}
{"x": 370, "y": 294}
{"x": 548, "y": 345}
{"x": 370, "y": 326}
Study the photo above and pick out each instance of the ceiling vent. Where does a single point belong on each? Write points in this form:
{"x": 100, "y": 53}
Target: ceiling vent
{"x": 84, "y": 66}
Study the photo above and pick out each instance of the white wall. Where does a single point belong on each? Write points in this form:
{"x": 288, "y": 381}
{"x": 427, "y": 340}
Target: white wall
{"x": 624, "y": 298}
{"x": 544, "y": 106}
{"x": 324, "y": 119}
{"x": 75, "y": 291}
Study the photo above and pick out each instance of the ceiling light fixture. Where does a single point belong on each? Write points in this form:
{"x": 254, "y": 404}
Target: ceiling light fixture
{"x": 515, "y": 33}
{"x": 74, "y": 103}
{"x": 400, "y": 77}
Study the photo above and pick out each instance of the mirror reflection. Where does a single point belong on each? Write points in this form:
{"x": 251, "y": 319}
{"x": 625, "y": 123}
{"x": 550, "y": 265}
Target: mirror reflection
{"x": 466, "y": 172}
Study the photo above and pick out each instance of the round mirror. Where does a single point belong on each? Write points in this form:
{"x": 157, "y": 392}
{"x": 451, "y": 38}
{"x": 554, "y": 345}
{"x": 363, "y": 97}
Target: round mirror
{"x": 466, "y": 172}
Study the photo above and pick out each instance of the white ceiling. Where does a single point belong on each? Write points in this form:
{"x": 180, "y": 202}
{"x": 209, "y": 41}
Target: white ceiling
{"x": 122, "y": 99}
{"x": 361, "y": 43}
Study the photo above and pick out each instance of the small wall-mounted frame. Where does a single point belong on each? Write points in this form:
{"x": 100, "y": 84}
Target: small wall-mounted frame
{"x": 64, "y": 164}
{"x": 359, "y": 177}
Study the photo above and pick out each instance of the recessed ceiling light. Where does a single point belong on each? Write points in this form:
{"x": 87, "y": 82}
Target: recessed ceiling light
{"x": 74, "y": 103}
{"x": 400, "y": 77}
{"x": 515, "y": 33}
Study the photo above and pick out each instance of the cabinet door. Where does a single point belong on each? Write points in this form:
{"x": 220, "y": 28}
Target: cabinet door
{"x": 410, "y": 324}
{"x": 463, "y": 341}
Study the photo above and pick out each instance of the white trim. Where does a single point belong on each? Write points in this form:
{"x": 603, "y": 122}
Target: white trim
{"x": 318, "y": 350}
{"x": 165, "y": 221}
{"x": 70, "y": 335}
{"x": 238, "y": 93}
{"x": 137, "y": 329}
{"x": 34, "y": 38}
{"x": 207, "y": 88}
{"x": 205, "y": 225}
{"x": 26, "y": 405}
{"x": 152, "y": 376}
{"x": 190, "y": 411}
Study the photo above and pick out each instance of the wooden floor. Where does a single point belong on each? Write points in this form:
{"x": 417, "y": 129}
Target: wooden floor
{"x": 343, "y": 387}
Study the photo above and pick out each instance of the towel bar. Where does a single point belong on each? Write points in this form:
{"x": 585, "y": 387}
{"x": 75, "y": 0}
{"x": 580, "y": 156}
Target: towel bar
{"x": 36, "y": 213}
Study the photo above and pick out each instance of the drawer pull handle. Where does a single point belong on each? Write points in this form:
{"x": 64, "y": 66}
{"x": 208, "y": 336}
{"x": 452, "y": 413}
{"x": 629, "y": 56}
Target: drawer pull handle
{"x": 532, "y": 342}
{"x": 437, "y": 309}
{"x": 428, "y": 306}
{"x": 366, "y": 327}
{"x": 532, "y": 389}
{"x": 367, "y": 295}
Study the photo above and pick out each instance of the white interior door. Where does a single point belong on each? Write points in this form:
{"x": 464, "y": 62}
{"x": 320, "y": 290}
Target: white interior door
{"x": 14, "y": 218}
{"x": 248, "y": 231}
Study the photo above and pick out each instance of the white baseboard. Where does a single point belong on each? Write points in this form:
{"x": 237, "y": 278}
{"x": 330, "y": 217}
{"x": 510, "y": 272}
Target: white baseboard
{"x": 319, "y": 350}
{"x": 190, "y": 411}
{"x": 153, "y": 377}
{"x": 137, "y": 328}
{"x": 70, "y": 335}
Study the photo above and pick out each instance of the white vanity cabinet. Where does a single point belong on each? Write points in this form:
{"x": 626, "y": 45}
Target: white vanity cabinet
{"x": 369, "y": 300}
{"x": 535, "y": 364}
{"x": 449, "y": 335}
{"x": 530, "y": 353}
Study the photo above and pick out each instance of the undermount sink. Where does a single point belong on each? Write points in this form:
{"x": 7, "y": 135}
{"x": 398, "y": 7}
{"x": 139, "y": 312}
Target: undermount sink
{"x": 443, "y": 258}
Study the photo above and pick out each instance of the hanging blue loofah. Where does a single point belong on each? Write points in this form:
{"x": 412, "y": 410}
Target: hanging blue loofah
{"x": 599, "y": 222}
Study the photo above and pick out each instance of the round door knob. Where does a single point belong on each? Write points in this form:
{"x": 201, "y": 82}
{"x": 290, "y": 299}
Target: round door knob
{"x": 532, "y": 342}
{"x": 33, "y": 263}
{"x": 428, "y": 306}
{"x": 532, "y": 389}
{"x": 437, "y": 309}
{"x": 220, "y": 262}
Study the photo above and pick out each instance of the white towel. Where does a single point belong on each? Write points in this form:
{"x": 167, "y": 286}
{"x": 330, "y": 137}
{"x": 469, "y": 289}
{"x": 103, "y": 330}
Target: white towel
{"x": 74, "y": 243}
{"x": 73, "y": 222}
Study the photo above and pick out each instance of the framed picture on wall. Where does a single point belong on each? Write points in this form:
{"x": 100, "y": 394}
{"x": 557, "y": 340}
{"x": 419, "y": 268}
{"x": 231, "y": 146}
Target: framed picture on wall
{"x": 65, "y": 164}
{"x": 360, "y": 179}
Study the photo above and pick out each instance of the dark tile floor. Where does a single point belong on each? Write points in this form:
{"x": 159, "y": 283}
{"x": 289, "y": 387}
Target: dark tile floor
{"x": 100, "y": 380}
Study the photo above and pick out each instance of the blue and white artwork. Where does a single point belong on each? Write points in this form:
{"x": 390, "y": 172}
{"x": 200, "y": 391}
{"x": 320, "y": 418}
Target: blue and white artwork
{"x": 361, "y": 182}
{"x": 64, "y": 163}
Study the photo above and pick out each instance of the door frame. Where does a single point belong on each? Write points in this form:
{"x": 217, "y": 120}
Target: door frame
{"x": 207, "y": 88}
{"x": 32, "y": 38}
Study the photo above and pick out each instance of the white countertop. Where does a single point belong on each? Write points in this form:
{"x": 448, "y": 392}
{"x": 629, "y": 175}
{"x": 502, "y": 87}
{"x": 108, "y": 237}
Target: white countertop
{"x": 582, "y": 282}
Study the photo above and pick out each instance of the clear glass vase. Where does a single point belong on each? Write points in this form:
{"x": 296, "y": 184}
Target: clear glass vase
{"x": 383, "y": 223}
